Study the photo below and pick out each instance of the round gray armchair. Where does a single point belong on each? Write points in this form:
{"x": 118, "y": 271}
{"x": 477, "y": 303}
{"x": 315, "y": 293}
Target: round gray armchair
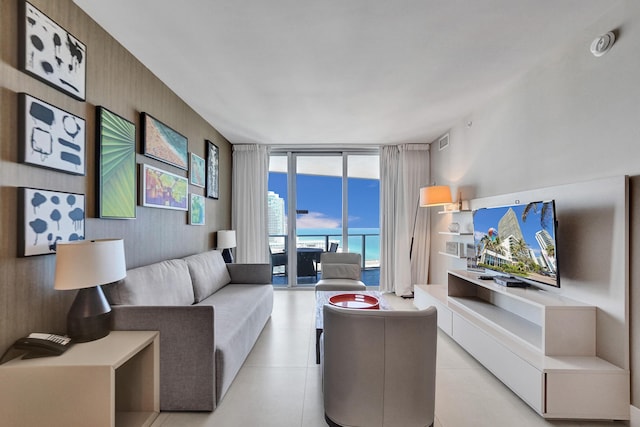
{"x": 379, "y": 367}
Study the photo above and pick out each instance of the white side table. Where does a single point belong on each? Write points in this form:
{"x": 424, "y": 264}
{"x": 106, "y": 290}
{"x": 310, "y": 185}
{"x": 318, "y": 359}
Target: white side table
{"x": 113, "y": 381}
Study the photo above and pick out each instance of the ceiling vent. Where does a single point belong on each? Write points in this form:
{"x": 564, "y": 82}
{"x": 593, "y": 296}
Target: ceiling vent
{"x": 443, "y": 142}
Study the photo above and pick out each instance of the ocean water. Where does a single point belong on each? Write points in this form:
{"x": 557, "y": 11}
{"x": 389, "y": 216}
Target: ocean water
{"x": 361, "y": 240}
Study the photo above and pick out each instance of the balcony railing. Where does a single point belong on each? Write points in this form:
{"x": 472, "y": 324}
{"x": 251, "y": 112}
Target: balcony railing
{"x": 366, "y": 244}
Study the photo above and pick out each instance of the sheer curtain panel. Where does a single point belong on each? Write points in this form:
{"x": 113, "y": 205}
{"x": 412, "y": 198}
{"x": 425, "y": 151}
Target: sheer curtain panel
{"x": 404, "y": 232}
{"x": 249, "y": 203}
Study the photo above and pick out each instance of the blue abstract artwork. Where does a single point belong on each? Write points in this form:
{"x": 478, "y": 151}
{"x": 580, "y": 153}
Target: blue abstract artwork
{"x": 51, "y": 137}
{"x": 49, "y": 217}
{"x": 52, "y": 54}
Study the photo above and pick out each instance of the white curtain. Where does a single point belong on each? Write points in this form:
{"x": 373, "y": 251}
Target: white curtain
{"x": 403, "y": 170}
{"x": 249, "y": 203}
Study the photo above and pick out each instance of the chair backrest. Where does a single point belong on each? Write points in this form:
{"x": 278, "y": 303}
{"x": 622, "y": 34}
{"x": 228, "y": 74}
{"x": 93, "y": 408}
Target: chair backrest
{"x": 379, "y": 366}
{"x": 340, "y": 258}
{"x": 333, "y": 247}
{"x": 343, "y": 265}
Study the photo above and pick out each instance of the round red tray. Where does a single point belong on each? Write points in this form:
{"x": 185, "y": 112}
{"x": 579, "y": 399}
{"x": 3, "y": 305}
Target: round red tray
{"x": 355, "y": 301}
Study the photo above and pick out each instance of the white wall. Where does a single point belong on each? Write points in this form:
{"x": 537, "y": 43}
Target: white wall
{"x": 573, "y": 118}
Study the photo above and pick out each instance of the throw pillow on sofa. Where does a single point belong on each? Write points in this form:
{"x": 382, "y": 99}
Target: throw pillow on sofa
{"x": 208, "y": 273}
{"x": 162, "y": 283}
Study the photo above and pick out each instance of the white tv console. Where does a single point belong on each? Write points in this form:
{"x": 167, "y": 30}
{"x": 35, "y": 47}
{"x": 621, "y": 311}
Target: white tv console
{"x": 540, "y": 344}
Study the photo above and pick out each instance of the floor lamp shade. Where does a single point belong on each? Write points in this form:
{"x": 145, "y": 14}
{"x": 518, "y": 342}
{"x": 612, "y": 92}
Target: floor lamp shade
{"x": 226, "y": 241}
{"x": 436, "y": 195}
{"x": 85, "y": 265}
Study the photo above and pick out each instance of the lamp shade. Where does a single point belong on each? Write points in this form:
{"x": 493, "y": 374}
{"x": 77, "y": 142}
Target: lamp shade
{"x": 87, "y": 263}
{"x": 226, "y": 239}
{"x": 435, "y": 195}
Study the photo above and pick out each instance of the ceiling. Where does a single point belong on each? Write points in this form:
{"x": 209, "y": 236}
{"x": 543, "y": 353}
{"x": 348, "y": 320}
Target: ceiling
{"x": 340, "y": 72}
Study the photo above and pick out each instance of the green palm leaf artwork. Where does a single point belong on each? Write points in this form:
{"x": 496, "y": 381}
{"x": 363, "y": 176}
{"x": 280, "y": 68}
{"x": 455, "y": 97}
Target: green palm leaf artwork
{"x": 117, "y": 166}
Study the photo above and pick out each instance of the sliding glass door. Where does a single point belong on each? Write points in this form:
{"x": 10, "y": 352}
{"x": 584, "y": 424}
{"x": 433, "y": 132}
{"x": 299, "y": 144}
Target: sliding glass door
{"x": 318, "y": 221}
{"x": 330, "y": 203}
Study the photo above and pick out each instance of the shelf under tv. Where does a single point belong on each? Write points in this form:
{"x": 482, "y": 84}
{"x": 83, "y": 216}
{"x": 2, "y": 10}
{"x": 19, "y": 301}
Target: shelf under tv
{"x": 538, "y": 343}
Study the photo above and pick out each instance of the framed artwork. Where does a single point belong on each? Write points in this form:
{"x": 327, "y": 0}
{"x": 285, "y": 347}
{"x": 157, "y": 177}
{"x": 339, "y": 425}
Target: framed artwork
{"x": 52, "y": 54}
{"x": 196, "y": 209}
{"x": 162, "y": 189}
{"x": 213, "y": 161}
{"x": 48, "y": 217}
{"x": 162, "y": 143}
{"x": 197, "y": 170}
{"x": 50, "y": 137}
{"x": 116, "y": 166}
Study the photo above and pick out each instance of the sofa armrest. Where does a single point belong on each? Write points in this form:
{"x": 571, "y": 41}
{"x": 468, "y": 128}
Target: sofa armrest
{"x": 187, "y": 368}
{"x": 250, "y": 274}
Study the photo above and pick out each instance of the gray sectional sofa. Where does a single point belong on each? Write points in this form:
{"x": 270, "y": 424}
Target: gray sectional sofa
{"x": 209, "y": 315}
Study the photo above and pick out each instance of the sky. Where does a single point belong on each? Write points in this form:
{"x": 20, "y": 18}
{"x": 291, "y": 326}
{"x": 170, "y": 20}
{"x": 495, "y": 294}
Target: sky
{"x": 322, "y": 197}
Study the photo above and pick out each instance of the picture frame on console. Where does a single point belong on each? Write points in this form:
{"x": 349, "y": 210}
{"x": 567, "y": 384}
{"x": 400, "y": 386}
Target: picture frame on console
{"x": 51, "y": 54}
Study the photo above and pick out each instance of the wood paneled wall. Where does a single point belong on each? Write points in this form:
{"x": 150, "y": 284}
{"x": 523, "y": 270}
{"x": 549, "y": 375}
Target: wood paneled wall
{"x": 119, "y": 82}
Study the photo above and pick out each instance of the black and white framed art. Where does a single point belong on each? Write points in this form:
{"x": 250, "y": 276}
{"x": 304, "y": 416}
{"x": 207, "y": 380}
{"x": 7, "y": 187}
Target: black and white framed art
{"x": 50, "y": 53}
{"x": 51, "y": 137}
{"x": 47, "y": 218}
{"x": 213, "y": 163}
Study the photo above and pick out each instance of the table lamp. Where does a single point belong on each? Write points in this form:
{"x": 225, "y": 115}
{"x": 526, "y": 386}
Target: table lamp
{"x": 226, "y": 241}
{"x": 85, "y": 265}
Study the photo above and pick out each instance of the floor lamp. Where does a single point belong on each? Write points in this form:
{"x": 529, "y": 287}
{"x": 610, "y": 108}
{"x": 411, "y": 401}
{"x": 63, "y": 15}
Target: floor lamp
{"x": 435, "y": 195}
{"x": 85, "y": 265}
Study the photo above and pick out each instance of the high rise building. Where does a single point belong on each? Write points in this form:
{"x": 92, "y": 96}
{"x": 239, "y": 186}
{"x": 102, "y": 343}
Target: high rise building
{"x": 545, "y": 241}
{"x": 276, "y": 220}
{"x": 509, "y": 226}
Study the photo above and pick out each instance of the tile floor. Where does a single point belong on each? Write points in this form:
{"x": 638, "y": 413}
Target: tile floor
{"x": 280, "y": 384}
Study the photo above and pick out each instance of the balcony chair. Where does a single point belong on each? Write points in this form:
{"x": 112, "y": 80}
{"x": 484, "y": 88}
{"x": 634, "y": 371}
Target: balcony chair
{"x": 278, "y": 259}
{"x": 340, "y": 272}
{"x": 379, "y": 367}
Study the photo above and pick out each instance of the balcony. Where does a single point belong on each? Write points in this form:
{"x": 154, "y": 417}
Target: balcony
{"x": 309, "y": 248}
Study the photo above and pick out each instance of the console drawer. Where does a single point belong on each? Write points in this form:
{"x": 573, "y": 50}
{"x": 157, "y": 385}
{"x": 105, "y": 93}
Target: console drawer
{"x": 524, "y": 379}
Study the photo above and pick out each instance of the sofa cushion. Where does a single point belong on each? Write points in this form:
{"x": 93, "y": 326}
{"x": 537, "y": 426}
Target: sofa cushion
{"x": 208, "y": 273}
{"x": 341, "y": 271}
{"x": 241, "y": 313}
{"x": 163, "y": 283}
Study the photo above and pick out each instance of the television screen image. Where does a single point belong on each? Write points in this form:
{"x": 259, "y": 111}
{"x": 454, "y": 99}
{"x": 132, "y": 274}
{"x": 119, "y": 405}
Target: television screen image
{"x": 518, "y": 241}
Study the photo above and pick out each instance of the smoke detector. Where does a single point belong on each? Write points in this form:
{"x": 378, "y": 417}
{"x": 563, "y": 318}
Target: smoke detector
{"x": 602, "y": 44}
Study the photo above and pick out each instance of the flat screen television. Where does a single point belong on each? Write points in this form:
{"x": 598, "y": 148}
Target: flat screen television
{"x": 518, "y": 241}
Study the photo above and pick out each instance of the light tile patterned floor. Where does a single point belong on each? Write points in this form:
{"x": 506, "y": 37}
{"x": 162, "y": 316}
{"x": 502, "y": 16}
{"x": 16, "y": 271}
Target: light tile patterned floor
{"x": 280, "y": 385}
